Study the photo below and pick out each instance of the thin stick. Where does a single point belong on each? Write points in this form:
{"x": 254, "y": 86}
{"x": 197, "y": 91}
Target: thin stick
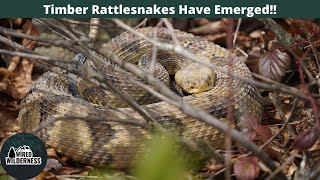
{"x": 191, "y": 111}
{"x": 183, "y": 105}
{"x": 272, "y": 85}
{"x": 236, "y": 32}
{"x": 280, "y": 168}
{"x": 179, "y": 50}
{"x": 286, "y": 122}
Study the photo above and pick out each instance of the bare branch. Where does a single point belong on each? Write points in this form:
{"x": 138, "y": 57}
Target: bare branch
{"x": 283, "y": 37}
{"x": 179, "y": 50}
{"x": 286, "y": 121}
{"x": 34, "y": 56}
{"x": 181, "y": 104}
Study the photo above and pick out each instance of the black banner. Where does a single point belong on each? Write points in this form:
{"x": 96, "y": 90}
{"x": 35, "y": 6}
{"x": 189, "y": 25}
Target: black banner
{"x": 164, "y": 8}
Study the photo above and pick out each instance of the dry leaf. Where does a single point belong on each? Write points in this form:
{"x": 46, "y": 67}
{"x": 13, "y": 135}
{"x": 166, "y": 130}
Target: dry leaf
{"x": 200, "y": 21}
{"x": 251, "y": 127}
{"x": 210, "y": 28}
{"x": 315, "y": 152}
{"x": 20, "y": 69}
{"x": 6, "y": 84}
{"x": 29, "y": 29}
{"x": 70, "y": 170}
{"x": 246, "y": 168}
{"x": 253, "y": 60}
{"x": 21, "y": 78}
{"x": 264, "y": 133}
{"x": 44, "y": 175}
{"x": 273, "y": 64}
{"x": 53, "y": 165}
{"x": 306, "y": 139}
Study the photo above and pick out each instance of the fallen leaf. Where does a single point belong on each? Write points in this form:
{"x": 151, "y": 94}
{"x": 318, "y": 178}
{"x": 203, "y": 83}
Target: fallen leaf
{"x": 210, "y": 28}
{"x": 21, "y": 77}
{"x": 9, "y": 124}
{"x": 19, "y": 80}
{"x": 253, "y": 60}
{"x": 18, "y": 21}
{"x": 273, "y": 64}
{"x": 29, "y": 29}
{"x": 256, "y": 34}
{"x": 306, "y": 139}
{"x": 53, "y": 165}
{"x": 264, "y": 133}
{"x": 315, "y": 152}
{"x": 52, "y": 153}
{"x": 246, "y": 168}
{"x": 200, "y": 21}
{"x": 70, "y": 170}
{"x": 6, "y": 84}
{"x": 250, "y": 125}
{"x": 44, "y": 175}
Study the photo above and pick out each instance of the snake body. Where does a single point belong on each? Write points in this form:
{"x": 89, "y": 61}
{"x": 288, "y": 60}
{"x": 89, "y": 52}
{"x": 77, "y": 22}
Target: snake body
{"x": 105, "y": 142}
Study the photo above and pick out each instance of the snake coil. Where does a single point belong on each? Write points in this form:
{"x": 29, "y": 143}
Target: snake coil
{"x": 106, "y": 142}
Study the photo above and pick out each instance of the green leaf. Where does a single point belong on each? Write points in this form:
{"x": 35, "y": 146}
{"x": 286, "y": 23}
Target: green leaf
{"x": 161, "y": 160}
{"x": 3, "y": 175}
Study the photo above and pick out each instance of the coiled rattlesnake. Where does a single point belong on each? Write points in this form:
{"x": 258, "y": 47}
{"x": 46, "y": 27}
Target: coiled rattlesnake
{"x": 116, "y": 144}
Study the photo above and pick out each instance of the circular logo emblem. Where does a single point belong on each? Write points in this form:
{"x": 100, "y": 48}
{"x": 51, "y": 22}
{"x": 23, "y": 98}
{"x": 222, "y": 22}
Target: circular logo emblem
{"x": 23, "y": 156}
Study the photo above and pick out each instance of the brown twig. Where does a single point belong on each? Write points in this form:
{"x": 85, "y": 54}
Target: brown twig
{"x": 236, "y": 32}
{"x": 276, "y": 86}
{"x": 57, "y": 42}
{"x": 230, "y": 31}
{"x": 280, "y": 168}
{"x": 286, "y": 122}
{"x": 34, "y": 56}
{"x": 146, "y": 115}
{"x": 285, "y": 38}
{"x": 14, "y": 45}
{"x": 179, "y": 50}
{"x": 271, "y": 85}
{"x": 184, "y": 106}
{"x": 142, "y": 23}
{"x": 188, "y": 109}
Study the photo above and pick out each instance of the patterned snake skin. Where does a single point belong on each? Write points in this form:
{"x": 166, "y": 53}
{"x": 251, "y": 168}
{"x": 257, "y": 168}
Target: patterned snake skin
{"x": 90, "y": 140}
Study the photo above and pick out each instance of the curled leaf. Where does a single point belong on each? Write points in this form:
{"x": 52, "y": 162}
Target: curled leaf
{"x": 306, "y": 139}
{"x": 273, "y": 64}
{"x": 246, "y": 168}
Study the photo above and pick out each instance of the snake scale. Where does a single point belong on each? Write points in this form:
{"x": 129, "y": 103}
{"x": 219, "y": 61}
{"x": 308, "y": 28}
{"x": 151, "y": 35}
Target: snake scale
{"x": 103, "y": 142}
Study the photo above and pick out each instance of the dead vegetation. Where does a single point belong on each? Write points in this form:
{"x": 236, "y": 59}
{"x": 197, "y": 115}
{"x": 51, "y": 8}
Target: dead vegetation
{"x": 282, "y": 55}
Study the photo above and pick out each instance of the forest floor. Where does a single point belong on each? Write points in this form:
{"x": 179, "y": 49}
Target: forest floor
{"x": 283, "y": 54}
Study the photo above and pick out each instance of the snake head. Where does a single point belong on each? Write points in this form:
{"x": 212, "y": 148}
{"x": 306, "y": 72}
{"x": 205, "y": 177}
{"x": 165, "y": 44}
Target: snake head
{"x": 195, "y": 78}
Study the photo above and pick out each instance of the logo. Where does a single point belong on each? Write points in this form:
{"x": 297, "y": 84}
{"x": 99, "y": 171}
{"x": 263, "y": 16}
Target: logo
{"x": 23, "y": 156}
